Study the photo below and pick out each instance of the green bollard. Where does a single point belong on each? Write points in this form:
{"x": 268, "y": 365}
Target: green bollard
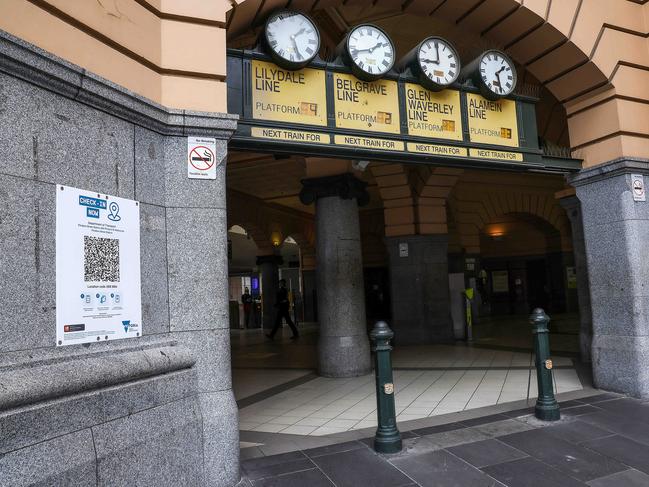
{"x": 387, "y": 438}
{"x": 547, "y": 407}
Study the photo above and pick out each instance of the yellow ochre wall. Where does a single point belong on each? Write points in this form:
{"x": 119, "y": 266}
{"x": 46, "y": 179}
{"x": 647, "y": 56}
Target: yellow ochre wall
{"x": 170, "y": 51}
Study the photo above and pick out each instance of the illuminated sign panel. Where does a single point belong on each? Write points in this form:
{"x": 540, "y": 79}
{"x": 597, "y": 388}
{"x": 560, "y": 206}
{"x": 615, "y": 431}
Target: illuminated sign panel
{"x": 369, "y": 106}
{"x": 325, "y": 111}
{"x": 433, "y": 114}
{"x": 492, "y": 122}
{"x": 280, "y": 95}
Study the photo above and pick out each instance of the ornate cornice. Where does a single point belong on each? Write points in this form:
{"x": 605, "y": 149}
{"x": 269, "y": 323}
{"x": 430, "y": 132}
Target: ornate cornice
{"x": 37, "y": 66}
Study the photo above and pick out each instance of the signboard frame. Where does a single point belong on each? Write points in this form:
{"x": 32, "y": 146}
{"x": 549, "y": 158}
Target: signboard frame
{"x": 525, "y": 156}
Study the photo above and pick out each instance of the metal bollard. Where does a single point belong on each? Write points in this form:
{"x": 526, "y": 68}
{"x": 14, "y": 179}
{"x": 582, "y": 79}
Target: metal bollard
{"x": 547, "y": 407}
{"x": 387, "y": 438}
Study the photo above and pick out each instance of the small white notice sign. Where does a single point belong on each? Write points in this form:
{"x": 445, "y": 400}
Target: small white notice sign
{"x": 637, "y": 187}
{"x": 403, "y": 249}
{"x": 201, "y": 158}
{"x": 98, "y": 295}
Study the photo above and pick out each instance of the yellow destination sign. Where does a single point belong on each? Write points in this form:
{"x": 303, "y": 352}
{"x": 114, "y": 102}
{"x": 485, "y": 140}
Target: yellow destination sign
{"x": 496, "y": 154}
{"x": 492, "y": 122}
{"x": 288, "y": 96}
{"x": 290, "y": 135}
{"x": 369, "y": 143}
{"x": 362, "y": 105}
{"x": 432, "y": 114}
{"x": 437, "y": 150}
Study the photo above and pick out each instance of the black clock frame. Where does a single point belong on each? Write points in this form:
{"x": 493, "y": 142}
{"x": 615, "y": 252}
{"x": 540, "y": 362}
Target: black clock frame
{"x": 279, "y": 60}
{"x": 472, "y": 71}
{"x": 412, "y": 60}
{"x": 344, "y": 50}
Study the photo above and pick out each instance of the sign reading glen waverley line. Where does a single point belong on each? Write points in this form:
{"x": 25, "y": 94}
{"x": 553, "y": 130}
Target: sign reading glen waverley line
{"x": 322, "y": 110}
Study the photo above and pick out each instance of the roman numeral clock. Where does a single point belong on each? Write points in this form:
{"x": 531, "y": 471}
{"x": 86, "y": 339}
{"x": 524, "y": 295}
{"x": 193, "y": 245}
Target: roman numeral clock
{"x": 291, "y": 39}
{"x": 494, "y": 73}
{"x": 369, "y": 51}
{"x": 434, "y": 62}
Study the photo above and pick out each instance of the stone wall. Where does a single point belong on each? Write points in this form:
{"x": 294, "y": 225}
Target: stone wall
{"x": 157, "y": 410}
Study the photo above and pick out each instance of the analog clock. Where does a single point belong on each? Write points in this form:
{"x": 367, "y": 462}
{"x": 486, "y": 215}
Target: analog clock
{"x": 496, "y": 74}
{"x": 438, "y": 63}
{"x": 371, "y": 52}
{"x": 292, "y": 39}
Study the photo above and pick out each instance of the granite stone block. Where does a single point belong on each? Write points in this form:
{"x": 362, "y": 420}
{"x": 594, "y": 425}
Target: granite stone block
{"x": 419, "y": 290}
{"x": 158, "y": 446}
{"x": 153, "y": 261}
{"x": 150, "y": 170}
{"x": 63, "y": 141}
{"x": 66, "y": 460}
{"x": 198, "y": 277}
{"x": 182, "y": 192}
{"x": 220, "y": 437}
{"x": 211, "y": 350}
{"x": 42, "y": 421}
{"x": 27, "y": 264}
{"x": 619, "y": 364}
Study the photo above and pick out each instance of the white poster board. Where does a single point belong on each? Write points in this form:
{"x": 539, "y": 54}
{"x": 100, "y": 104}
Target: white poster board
{"x": 98, "y": 295}
{"x": 201, "y": 158}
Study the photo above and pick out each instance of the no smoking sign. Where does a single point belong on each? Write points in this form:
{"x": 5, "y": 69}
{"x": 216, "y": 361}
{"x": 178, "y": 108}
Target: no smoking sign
{"x": 201, "y": 158}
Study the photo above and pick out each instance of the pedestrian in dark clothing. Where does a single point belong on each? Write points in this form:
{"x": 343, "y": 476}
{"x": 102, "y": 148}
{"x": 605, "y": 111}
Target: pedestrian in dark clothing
{"x": 246, "y": 299}
{"x": 283, "y": 305}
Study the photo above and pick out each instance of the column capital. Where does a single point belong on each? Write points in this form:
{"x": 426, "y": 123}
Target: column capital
{"x": 270, "y": 259}
{"x": 345, "y": 186}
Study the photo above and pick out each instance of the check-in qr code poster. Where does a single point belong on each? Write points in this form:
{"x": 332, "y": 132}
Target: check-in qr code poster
{"x": 98, "y": 295}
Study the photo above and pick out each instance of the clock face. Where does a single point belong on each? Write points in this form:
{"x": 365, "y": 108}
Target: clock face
{"x": 439, "y": 61}
{"x": 371, "y": 50}
{"x": 293, "y": 39}
{"x": 497, "y": 72}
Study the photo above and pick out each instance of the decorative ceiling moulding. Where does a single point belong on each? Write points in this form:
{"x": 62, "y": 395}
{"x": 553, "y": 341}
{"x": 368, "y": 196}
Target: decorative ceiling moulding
{"x": 35, "y": 65}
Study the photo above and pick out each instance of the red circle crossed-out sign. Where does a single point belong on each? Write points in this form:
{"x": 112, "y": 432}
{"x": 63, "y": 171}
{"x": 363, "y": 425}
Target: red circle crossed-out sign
{"x": 203, "y": 159}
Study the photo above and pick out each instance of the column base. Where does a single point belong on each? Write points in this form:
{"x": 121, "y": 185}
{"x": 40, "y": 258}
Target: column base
{"x": 620, "y": 364}
{"x": 344, "y": 356}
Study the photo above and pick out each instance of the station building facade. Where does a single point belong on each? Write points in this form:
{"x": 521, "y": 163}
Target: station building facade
{"x": 102, "y": 96}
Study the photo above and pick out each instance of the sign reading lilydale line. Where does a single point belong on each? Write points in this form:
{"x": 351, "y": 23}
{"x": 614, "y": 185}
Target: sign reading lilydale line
{"x": 323, "y": 110}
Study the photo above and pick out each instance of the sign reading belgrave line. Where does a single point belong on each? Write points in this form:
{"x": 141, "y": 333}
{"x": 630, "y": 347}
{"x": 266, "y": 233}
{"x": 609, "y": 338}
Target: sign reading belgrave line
{"x": 326, "y": 111}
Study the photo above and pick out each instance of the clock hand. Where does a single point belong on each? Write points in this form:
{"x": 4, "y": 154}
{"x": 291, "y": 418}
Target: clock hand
{"x": 437, "y": 51}
{"x": 431, "y": 61}
{"x": 299, "y": 32}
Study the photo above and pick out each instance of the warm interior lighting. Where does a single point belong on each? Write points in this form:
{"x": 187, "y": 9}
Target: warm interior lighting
{"x": 276, "y": 238}
{"x": 496, "y": 232}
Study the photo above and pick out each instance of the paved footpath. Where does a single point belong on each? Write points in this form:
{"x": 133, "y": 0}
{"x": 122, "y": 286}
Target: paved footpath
{"x": 601, "y": 441}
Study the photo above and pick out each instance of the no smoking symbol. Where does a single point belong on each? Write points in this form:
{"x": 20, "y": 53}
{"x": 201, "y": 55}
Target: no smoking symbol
{"x": 201, "y": 158}
{"x": 638, "y": 187}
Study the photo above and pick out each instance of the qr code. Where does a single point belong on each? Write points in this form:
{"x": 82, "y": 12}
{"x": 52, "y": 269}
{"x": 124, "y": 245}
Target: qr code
{"x": 100, "y": 259}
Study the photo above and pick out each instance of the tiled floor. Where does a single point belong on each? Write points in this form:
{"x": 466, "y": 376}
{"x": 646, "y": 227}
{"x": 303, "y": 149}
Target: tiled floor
{"x": 327, "y": 406}
{"x": 601, "y": 441}
{"x": 429, "y": 381}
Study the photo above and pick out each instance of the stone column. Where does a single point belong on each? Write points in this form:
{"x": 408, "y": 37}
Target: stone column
{"x": 269, "y": 268}
{"x": 419, "y": 289}
{"x": 573, "y": 209}
{"x": 616, "y": 232}
{"x": 343, "y": 344}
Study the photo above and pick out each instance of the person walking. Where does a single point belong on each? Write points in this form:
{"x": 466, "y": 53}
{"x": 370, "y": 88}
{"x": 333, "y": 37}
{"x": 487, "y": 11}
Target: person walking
{"x": 283, "y": 305}
{"x": 246, "y": 300}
